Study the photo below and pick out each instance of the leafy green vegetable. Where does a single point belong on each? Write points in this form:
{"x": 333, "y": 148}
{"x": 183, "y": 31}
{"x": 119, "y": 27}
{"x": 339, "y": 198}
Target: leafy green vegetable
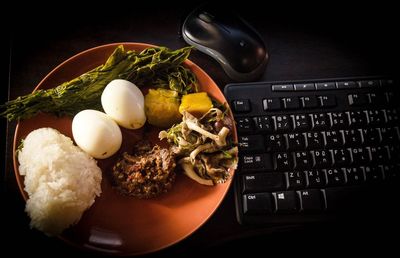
{"x": 159, "y": 67}
{"x": 179, "y": 79}
{"x": 20, "y": 145}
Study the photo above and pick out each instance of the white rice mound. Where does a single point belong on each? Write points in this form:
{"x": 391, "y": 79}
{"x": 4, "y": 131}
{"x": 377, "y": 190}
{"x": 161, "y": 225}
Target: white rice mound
{"x": 61, "y": 180}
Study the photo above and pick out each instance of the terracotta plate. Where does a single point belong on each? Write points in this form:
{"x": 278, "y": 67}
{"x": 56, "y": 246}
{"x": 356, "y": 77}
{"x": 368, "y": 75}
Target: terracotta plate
{"x": 119, "y": 224}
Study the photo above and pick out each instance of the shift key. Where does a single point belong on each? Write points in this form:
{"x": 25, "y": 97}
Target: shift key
{"x": 263, "y": 182}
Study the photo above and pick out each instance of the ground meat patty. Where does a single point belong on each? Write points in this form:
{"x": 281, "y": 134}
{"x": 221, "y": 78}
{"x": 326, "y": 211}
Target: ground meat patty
{"x": 147, "y": 173}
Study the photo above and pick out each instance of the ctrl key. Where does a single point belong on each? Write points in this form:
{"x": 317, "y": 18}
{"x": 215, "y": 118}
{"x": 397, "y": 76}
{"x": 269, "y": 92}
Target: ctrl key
{"x": 258, "y": 203}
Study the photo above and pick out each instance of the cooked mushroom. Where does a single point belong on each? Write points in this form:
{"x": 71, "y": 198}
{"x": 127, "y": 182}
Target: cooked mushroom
{"x": 188, "y": 169}
{"x": 207, "y": 154}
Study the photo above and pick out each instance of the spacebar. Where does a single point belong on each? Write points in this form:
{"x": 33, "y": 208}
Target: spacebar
{"x": 344, "y": 198}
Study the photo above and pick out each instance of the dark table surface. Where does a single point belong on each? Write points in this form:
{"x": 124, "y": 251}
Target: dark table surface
{"x": 300, "y": 47}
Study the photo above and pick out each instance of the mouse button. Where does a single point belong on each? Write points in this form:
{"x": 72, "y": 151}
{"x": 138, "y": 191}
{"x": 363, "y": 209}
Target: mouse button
{"x": 204, "y": 34}
{"x": 245, "y": 57}
{"x": 206, "y": 17}
{"x": 253, "y": 42}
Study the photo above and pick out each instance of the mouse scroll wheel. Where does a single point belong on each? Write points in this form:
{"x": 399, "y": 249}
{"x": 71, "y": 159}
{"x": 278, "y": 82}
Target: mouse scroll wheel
{"x": 206, "y": 17}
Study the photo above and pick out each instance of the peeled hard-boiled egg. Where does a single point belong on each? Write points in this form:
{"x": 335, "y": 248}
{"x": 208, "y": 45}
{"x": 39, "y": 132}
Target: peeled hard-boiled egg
{"x": 96, "y": 133}
{"x": 124, "y": 102}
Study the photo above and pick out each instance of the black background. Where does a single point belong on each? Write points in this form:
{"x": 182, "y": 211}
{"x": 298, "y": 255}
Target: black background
{"x": 314, "y": 41}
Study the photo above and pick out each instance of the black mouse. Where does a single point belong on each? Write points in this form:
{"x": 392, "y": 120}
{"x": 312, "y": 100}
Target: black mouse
{"x": 229, "y": 39}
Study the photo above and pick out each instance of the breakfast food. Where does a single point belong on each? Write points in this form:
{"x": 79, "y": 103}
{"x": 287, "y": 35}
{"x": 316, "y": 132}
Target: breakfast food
{"x": 124, "y": 103}
{"x": 61, "y": 180}
{"x": 196, "y": 104}
{"x": 96, "y": 133}
{"x": 204, "y": 146}
{"x": 162, "y": 107}
{"x": 147, "y": 173}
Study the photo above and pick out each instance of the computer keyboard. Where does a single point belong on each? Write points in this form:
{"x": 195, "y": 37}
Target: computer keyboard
{"x": 310, "y": 150}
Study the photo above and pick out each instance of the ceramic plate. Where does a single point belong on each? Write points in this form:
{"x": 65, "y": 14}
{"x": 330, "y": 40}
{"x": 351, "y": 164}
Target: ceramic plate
{"x": 120, "y": 224}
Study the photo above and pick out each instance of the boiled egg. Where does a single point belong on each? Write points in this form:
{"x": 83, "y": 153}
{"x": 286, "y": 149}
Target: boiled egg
{"x": 124, "y": 102}
{"x": 96, "y": 133}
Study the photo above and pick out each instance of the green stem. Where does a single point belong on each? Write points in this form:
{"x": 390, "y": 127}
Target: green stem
{"x": 156, "y": 67}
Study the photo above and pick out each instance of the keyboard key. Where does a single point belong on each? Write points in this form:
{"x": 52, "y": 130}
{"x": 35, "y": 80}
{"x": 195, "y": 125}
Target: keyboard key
{"x": 283, "y": 161}
{"x": 321, "y": 158}
{"x": 260, "y": 162}
{"x": 296, "y": 141}
{"x": 327, "y": 101}
{"x": 358, "y": 118}
{"x": 258, "y": 203}
{"x": 311, "y": 200}
{"x": 251, "y": 143}
{"x": 314, "y": 140}
{"x": 392, "y": 116}
{"x": 296, "y": 180}
{"x": 369, "y": 84}
{"x": 371, "y": 136}
{"x": 360, "y": 156}
{"x": 376, "y": 98}
{"x": 263, "y": 182}
{"x": 354, "y": 175}
{"x": 316, "y": 178}
{"x": 379, "y": 154}
{"x": 272, "y": 104}
{"x": 390, "y": 135}
{"x": 353, "y": 137}
{"x": 325, "y": 86}
{"x": 319, "y": 121}
{"x": 283, "y": 87}
{"x": 241, "y": 105}
{"x": 333, "y": 139}
{"x": 373, "y": 174}
{"x": 302, "y": 160}
{"x": 346, "y": 85}
{"x": 387, "y": 83}
{"x": 282, "y": 123}
{"x": 357, "y": 99}
{"x": 286, "y": 202}
{"x": 264, "y": 124}
{"x": 276, "y": 142}
{"x": 309, "y": 102}
{"x": 339, "y": 120}
{"x": 342, "y": 199}
{"x": 390, "y": 97}
{"x": 376, "y": 117}
{"x": 394, "y": 152}
{"x": 341, "y": 157}
{"x": 392, "y": 172}
{"x": 244, "y": 124}
{"x": 335, "y": 177}
{"x": 304, "y": 86}
{"x": 301, "y": 122}
{"x": 291, "y": 102}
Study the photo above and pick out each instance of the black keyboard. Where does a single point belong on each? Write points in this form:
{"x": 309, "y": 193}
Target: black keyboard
{"x": 311, "y": 150}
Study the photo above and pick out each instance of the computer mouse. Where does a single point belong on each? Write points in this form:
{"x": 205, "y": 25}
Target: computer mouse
{"x": 229, "y": 39}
